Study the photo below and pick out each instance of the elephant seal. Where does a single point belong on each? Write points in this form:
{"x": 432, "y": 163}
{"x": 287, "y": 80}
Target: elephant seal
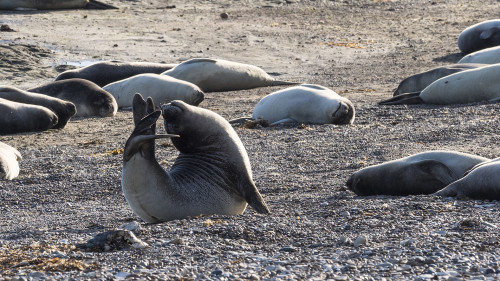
{"x": 214, "y": 75}
{"x": 63, "y": 109}
{"x": 418, "y": 82}
{"x": 52, "y": 4}
{"x": 306, "y": 103}
{"x": 473, "y": 85}
{"x": 484, "y": 56}
{"x": 422, "y": 173}
{"x": 106, "y": 72}
{"x": 90, "y": 99}
{"x": 18, "y": 117}
{"x": 160, "y": 88}
{"x": 481, "y": 182}
{"x": 480, "y": 36}
{"x": 211, "y": 175}
{"x": 9, "y": 161}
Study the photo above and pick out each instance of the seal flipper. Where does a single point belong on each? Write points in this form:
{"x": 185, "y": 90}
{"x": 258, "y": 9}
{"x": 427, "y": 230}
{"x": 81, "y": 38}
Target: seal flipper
{"x": 286, "y": 120}
{"x": 434, "y": 175}
{"x": 98, "y": 5}
{"x": 240, "y": 121}
{"x": 254, "y": 199}
{"x": 408, "y": 98}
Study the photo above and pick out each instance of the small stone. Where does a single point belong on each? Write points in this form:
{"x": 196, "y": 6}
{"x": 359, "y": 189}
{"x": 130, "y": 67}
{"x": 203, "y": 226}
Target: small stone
{"x": 288, "y": 249}
{"x": 132, "y": 226}
{"x": 324, "y": 204}
{"x": 360, "y": 240}
{"x": 224, "y": 16}
{"x": 177, "y": 241}
{"x": 216, "y": 272}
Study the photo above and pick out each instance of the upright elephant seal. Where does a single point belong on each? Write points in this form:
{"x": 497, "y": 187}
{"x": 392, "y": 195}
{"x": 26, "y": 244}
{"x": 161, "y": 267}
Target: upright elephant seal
{"x": 106, "y": 72}
{"x": 418, "y": 82}
{"x": 9, "y": 161}
{"x": 473, "y": 85}
{"x": 63, "y": 109}
{"x": 211, "y": 175}
{"x": 480, "y": 36}
{"x": 305, "y": 104}
{"x": 214, "y": 75}
{"x": 422, "y": 173}
{"x": 481, "y": 182}
{"x": 18, "y": 117}
{"x": 162, "y": 89}
{"x": 52, "y": 4}
{"x": 484, "y": 56}
{"x": 90, "y": 99}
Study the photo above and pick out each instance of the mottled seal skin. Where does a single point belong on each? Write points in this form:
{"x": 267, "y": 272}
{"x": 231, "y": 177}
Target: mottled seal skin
{"x": 422, "y": 173}
{"x": 468, "y": 86}
{"x": 9, "y": 161}
{"x": 21, "y": 118}
{"x": 480, "y": 36}
{"x": 485, "y": 56}
{"x": 107, "y": 72}
{"x": 52, "y": 4}
{"x": 481, "y": 182}
{"x": 161, "y": 88}
{"x": 215, "y": 75}
{"x": 211, "y": 175}
{"x": 418, "y": 82}
{"x": 63, "y": 109}
{"x": 305, "y": 104}
{"x": 90, "y": 99}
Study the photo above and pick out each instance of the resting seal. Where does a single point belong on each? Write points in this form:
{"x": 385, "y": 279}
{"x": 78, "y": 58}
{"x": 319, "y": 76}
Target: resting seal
{"x": 63, "y": 109}
{"x": 422, "y": 173}
{"x": 9, "y": 161}
{"x": 480, "y": 36}
{"x": 21, "y": 117}
{"x": 481, "y": 182}
{"x": 418, "y": 82}
{"x": 90, "y": 99}
{"x": 211, "y": 175}
{"x": 213, "y": 75}
{"x": 52, "y": 4}
{"x": 485, "y": 56}
{"x": 473, "y": 85}
{"x": 106, "y": 72}
{"x": 162, "y": 89}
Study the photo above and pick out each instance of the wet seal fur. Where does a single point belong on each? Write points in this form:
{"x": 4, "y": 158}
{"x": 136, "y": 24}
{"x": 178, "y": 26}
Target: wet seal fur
{"x": 484, "y": 56}
{"x": 63, "y": 109}
{"x": 215, "y": 75}
{"x": 481, "y": 182}
{"x": 162, "y": 89}
{"x": 90, "y": 99}
{"x": 18, "y": 117}
{"x": 473, "y": 85}
{"x": 52, "y": 4}
{"x": 9, "y": 161}
{"x": 480, "y": 36}
{"x": 106, "y": 72}
{"x": 422, "y": 173}
{"x": 211, "y": 175}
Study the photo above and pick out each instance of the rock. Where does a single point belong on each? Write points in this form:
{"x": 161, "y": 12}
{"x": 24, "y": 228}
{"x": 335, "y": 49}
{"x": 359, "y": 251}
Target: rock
{"x": 360, "y": 240}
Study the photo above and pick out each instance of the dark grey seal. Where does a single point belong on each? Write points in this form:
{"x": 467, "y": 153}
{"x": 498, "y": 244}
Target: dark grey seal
{"x": 480, "y": 36}
{"x": 18, "y": 117}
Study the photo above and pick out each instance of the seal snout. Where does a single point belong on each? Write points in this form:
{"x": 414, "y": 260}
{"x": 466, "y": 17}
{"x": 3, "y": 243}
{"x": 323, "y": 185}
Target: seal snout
{"x": 352, "y": 184}
{"x": 198, "y": 97}
{"x": 344, "y": 113}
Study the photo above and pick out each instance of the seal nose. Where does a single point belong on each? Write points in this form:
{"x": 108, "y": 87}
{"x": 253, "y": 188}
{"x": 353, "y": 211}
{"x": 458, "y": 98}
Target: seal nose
{"x": 344, "y": 114}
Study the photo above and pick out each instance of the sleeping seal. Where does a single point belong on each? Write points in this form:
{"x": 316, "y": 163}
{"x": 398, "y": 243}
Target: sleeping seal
{"x": 63, "y": 109}
{"x": 481, "y": 182}
{"x": 418, "y": 82}
{"x": 213, "y": 75}
{"x": 106, "y": 72}
{"x": 90, "y": 99}
{"x": 52, "y": 4}
{"x": 9, "y": 161}
{"x": 162, "y": 89}
{"x": 484, "y": 56}
{"x": 21, "y": 117}
{"x": 422, "y": 173}
{"x": 473, "y": 85}
{"x": 480, "y": 36}
{"x": 211, "y": 175}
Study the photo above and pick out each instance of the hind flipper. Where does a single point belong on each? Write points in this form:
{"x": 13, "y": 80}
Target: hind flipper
{"x": 408, "y": 98}
{"x": 98, "y": 5}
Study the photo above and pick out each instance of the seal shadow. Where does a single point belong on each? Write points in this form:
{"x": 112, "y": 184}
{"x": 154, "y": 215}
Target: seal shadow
{"x": 452, "y": 58}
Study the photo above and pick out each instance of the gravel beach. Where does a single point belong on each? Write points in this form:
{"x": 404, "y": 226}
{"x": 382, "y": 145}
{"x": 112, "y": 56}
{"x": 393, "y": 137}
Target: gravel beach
{"x": 69, "y": 190}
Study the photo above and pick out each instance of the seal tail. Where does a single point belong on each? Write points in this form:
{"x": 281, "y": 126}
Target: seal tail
{"x": 283, "y": 83}
{"x": 408, "y": 98}
{"x": 98, "y": 5}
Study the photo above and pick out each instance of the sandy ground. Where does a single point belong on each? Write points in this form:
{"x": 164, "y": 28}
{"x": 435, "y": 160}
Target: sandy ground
{"x": 69, "y": 186}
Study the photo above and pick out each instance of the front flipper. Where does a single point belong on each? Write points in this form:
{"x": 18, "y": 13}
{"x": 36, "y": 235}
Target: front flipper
{"x": 285, "y": 121}
{"x": 98, "y": 5}
{"x": 408, "y": 98}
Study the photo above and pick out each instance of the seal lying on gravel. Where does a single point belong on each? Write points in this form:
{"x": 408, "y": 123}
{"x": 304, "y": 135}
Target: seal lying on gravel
{"x": 106, "y": 72}
{"x": 422, "y": 173}
{"x": 474, "y": 85}
{"x": 63, "y": 109}
{"x": 211, "y": 175}
{"x": 480, "y": 36}
{"x": 90, "y": 99}
{"x": 418, "y": 82}
{"x": 481, "y": 182}
{"x": 52, "y": 4}
{"x": 162, "y": 89}
{"x": 213, "y": 75}
{"x": 9, "y": 161}
{"x": 485, "y": 56}
{"x": 18, "y": 117}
